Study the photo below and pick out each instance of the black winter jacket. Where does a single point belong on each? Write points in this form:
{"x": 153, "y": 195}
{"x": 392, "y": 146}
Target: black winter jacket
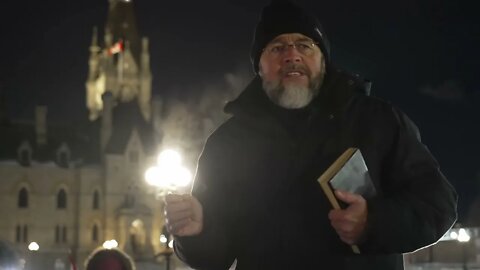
{"x": 256, "y": 180}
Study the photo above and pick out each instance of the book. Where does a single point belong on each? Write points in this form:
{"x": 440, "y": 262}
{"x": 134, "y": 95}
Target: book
{"x": 348, "y": 173}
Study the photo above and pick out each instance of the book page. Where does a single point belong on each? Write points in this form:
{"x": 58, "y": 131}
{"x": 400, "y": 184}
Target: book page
{"x": 354, "y": 177}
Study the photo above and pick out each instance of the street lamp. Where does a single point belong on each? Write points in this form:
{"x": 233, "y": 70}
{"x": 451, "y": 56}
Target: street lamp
{"x": 169, "y": 175}
{"x": 34, "y": 259}
{"x": 167, "y": 241}
{"x": 109, "y": 244}
{"x": 33, "y": 246}
{"x": 463, "y": 237}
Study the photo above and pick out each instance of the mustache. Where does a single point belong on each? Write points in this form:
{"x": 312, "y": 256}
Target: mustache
{"x": 294, "y": 67}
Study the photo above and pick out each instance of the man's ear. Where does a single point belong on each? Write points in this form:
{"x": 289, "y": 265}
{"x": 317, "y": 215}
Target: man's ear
{"x": 260, "y": 71}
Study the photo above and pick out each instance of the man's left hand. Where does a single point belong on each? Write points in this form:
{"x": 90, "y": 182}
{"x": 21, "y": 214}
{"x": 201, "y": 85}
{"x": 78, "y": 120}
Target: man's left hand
{"x": 350, "y": 222}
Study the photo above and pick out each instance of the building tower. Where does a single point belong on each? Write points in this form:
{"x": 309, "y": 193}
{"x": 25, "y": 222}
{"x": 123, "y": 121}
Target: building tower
{"x": 118, "y": 90}
{"x": 120, "y": 64}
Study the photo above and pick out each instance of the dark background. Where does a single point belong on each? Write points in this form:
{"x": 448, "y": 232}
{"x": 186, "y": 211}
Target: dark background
{"x": 422, "y": 55}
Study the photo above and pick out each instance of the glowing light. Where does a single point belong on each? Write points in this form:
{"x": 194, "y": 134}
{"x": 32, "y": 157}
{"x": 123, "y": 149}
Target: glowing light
{"x": 169, "y": 158}
{"x": 170, "y": 244}
{"x": 463, "y": 235}
{"x": 454, "y": 235}
{"x": 33, "y": 246}
{"x": 137, "y": 223}
{"x": 22, "y": 263}
{"x": 184, "y": 176}
{"x": 163, "y": 239}
{"x": 109, "y": 244}
{"x": 169, "y": 173}
{"x": 152, "y": 175}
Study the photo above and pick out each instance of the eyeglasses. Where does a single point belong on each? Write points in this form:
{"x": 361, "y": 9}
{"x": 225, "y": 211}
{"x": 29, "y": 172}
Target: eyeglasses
{"x": 305, "y": 47}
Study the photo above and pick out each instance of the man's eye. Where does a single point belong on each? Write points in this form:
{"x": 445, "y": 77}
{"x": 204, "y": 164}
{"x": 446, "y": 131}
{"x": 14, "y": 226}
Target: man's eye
{"x": 303, "y": 46}
{"x": 276, "y": 48}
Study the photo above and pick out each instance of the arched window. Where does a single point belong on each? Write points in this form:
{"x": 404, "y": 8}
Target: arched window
{"x": 95, "y": 233}
{"x": 23, "y": 198}
{"x": 61, "y": 199}
{"x": 96, "y": 200}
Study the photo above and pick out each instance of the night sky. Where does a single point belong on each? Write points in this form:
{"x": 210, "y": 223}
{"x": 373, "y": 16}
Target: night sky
{"x": 421, "y": 55}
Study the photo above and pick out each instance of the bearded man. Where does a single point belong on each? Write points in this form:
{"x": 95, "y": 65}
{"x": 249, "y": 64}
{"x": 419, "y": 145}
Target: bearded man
{"x": 256, "y": 198}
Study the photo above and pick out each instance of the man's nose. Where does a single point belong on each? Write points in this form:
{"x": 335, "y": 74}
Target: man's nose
{"x": 291, "y": 55}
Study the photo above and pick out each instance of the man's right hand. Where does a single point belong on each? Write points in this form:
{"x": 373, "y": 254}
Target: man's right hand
{"x": 183, "y": 215}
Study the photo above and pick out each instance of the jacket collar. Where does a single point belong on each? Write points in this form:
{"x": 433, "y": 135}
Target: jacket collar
{"x": 338, "y": 89}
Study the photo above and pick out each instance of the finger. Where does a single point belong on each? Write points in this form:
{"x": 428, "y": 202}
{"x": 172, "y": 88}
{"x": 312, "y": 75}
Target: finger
{"x": 179, "y": 215}
{"x": 336, "y": 214}
{"x": 343, "y": 227}
{"x": 345, "y": 217}
{"x": 175, "y": 227}
{"x": 348, "y": 197}
{"x": 173, "y": 198}
{"x": 348, "y": 240}
{"x": 178, "y": 207}
{"x": 345, "y": 233}
{"x": 342, "y": 216}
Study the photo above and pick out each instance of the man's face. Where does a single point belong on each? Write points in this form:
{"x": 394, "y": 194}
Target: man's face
{"x": 292, "y": 68}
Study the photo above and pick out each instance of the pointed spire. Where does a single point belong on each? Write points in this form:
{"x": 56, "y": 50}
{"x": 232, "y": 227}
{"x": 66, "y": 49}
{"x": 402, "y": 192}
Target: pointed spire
{"x": 94, "y": 48}
{"x": 122, "y": 24}
{"x": 95, "y": 36}
{"x": 145, "y": 59}
{"x": 108, "y": 37}
{"x": 145, "y": 45}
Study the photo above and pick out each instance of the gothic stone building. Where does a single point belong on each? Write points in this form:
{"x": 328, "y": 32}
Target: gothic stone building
{"x": 70, "y": 188}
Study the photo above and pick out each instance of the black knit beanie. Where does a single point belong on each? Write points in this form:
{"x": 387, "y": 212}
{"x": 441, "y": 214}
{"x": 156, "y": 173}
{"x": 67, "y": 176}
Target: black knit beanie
{"x": 281, "y": 17}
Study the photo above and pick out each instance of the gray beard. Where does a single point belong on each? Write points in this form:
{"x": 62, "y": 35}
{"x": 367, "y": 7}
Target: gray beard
{"x": 293, "y": 96}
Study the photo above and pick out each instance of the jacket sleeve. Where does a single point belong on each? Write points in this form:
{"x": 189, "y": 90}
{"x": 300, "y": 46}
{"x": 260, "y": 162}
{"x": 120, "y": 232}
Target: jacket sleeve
{"x": 211, "y": 249}
{"x": 417, "y": 204}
